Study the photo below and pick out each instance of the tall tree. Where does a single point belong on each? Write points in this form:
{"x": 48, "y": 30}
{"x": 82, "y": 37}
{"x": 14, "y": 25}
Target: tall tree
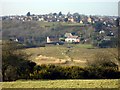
{"x": 28, "y": 14}
{"x": 60, "y": 13}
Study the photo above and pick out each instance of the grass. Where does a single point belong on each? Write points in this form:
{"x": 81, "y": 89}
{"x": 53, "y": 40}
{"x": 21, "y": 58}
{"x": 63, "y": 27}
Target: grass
{"x": 68, "y": 54}
{"x": 88, "y": 46}
{"x": 102, "y": 83}
{"x": 57, "y": 51}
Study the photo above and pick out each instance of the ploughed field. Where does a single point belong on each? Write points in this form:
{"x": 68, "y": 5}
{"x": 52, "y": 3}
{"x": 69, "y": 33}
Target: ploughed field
{"x": 68, "y": 54}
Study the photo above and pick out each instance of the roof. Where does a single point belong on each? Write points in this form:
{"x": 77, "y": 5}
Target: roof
{"x": 68, "y": 34}
{"x": 73, "y": 37}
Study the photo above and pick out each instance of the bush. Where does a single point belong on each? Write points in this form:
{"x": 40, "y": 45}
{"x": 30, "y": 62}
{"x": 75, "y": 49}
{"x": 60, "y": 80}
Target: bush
{"x": 102, "y": 73}
{"x": 74, "y": 72}
{"x": 14, "y": 63}
{"x": 103, "y": 60}
{"x": 10, "y": 74}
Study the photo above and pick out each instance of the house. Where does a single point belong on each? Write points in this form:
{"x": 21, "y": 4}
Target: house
{"x": 52, "y": 39}
{"x": 101, "y": 32}
{"x": 81, "y": 22}
{"x": 68, "y": 35}
{"x": 69, "y": 38}
{"x": 72, "y": 39}
{"x": 14, "y": 39}
{"x": 70, "y": 19}
{"x": 89, "y": 20}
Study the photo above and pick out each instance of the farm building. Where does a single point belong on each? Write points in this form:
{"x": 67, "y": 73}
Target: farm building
{"x": 52, "y": 39}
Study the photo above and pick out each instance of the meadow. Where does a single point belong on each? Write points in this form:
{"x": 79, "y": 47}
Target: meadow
{"x": 68, "y": 54}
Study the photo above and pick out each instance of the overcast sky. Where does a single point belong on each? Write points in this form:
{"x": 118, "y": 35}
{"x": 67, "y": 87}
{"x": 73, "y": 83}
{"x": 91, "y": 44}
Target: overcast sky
{"x": 93, "y": 7}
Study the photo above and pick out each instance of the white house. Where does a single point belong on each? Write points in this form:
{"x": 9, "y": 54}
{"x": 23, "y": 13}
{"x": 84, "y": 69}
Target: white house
{"x": 72, "y": 39}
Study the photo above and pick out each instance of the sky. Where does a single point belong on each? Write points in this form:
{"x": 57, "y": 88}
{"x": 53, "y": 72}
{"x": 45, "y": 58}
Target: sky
{"x": 93, "y": 7}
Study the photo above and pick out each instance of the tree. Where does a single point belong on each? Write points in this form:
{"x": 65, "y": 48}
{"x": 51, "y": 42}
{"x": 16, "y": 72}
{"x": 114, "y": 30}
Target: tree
{"x": 66, "y": 19}
{"x": 15, "y": 64}
{"x": 78, "y": 19}
{"x": 28, "y": 14}
{"x": 60, "y": 14}
{"x": 98, "y": 26}
{"x": 103, "y": 60}
{"x": 118, "y": 22}
{"x": 54, "y": 14}
{"x": 76, "y": 14}
{"x": 68, "y": 14}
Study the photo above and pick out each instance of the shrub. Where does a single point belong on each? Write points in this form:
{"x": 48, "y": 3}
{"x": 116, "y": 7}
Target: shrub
{"x": 74, "y": 72}
{"x": 102, "y": 73}
{"x": 103, "y": 60}
{"x": 14, "y": 63}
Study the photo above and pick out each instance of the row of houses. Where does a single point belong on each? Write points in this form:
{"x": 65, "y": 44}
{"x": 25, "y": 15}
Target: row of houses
{"x": 74, "y": 18}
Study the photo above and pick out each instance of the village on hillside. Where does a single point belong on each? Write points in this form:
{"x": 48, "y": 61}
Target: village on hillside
{"x": 58, "y": 29}
{"x": 59, "y": 17}
{"x": 60, "y": 44}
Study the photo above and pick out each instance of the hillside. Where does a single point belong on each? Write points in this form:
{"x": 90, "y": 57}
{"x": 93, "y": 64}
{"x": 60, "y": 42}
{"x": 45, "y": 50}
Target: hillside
{"x": 34, "y": 33}
{"x": 76, "y": 55}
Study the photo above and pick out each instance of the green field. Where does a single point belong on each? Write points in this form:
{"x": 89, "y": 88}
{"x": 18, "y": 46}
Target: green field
{"x": 106, "y": 83}
{"x": 77, "y": 54}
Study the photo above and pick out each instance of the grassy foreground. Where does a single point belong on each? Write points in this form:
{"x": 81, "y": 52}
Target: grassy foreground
{"x": 102, "y": 83}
